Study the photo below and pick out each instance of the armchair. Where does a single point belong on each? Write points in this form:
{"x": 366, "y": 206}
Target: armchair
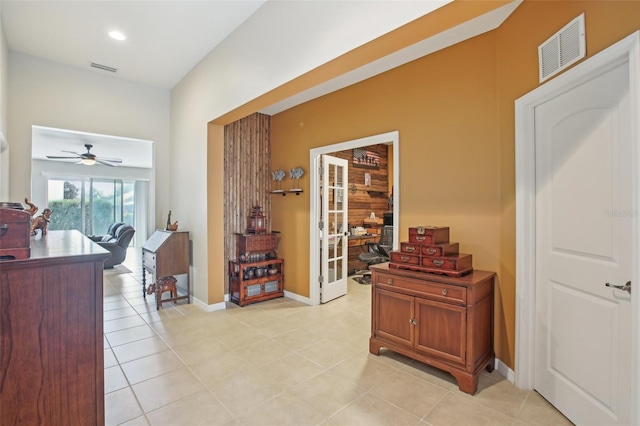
{"x": 118, "y": 245}
{"x": 110, "y": 235}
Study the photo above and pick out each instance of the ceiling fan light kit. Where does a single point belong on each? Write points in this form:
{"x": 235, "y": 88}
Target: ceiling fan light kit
{"x": 88, "y": 158}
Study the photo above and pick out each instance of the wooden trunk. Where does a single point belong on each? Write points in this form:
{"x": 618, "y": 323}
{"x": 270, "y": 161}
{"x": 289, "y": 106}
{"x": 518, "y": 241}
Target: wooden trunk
{"x": 15, "y": 229}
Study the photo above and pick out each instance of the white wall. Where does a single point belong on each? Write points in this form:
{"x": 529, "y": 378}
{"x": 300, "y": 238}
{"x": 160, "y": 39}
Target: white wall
{"x": 281, "y": 41}
{"x": 48, "y": 94}
{"x": 4, "y": 84}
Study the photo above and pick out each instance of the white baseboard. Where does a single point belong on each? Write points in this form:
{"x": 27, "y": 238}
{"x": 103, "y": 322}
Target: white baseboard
{"x": 297, "y": 297}
{"x": 505, "y": 371}
{"x": 210, "y": 308}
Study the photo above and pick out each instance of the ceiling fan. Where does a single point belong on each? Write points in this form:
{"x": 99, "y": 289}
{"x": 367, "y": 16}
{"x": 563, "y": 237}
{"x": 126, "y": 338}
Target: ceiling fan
{"x": 88, "y": 158}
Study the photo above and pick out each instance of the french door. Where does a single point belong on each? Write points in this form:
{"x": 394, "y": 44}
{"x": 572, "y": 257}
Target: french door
{"x": 333, "y": 228}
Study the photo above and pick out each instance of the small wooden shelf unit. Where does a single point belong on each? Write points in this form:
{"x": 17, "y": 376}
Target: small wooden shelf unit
{"x": 249, "y": 277}
{"x": 247, "y": 289}
{"x": 442, "y": 321}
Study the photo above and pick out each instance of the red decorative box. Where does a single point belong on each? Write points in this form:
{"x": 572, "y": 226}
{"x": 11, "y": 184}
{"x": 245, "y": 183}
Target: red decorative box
{"x": 15, "y": 228}
{"x": 429, "y": 235}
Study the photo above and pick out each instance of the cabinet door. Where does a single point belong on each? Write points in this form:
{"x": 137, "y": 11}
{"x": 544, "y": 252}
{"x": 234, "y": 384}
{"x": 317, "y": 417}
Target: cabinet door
{"x": 441, "y": 330}
{"x": 393, "y": 316}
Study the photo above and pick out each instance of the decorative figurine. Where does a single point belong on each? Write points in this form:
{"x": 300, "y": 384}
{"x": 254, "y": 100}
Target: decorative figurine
{"x": 168, "y": 221}
{"x": 32, "y": 207}
{"x": 278, "y": 175}
{"x": 171, "y": 226}
{"x": 41, "y": 222}
{"x": 296, "y": 174}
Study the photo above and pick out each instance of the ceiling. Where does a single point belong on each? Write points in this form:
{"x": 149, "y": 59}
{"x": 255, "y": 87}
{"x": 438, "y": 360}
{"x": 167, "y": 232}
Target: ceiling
{"x": 165, "y": 40}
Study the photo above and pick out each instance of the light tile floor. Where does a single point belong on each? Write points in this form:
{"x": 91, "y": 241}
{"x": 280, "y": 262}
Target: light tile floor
{"x": 279, "y": 362}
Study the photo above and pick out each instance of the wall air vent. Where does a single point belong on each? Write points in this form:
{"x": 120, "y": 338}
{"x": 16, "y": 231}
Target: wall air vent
{"x": 564, "y": 48}
{"x": 103, "y": 67}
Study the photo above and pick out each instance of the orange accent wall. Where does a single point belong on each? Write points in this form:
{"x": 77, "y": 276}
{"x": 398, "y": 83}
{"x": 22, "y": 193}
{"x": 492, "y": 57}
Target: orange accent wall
{"x": 454, "y": 110}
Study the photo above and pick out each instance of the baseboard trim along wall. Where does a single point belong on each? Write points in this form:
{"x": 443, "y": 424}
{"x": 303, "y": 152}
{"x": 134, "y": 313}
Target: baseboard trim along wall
{"x": 505, "y": 371}
{"x": 297, "y": 297}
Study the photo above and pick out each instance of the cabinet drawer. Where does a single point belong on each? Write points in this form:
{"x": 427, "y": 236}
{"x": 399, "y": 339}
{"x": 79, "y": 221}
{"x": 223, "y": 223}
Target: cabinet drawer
{"x": 410, "y": 248}
{"x": 428, "y": 289}
{"x": 149, "y": 260}
{"x": 429, "y": 235}
{"x": 404, "y": 258}
{"x": 439, "y": 249}
{"x": 458, "y": 262}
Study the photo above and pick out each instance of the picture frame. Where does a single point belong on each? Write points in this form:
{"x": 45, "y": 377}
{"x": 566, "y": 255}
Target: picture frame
{"x": 365, "y": 159}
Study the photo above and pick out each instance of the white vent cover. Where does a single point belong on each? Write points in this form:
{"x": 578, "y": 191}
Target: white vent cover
{"x": 562, "y": 49}
{"x": 103, "y": 67}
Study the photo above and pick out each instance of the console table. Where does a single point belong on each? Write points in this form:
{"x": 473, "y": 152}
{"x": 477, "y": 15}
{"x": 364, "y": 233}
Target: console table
{"x": 442, "y": 321}
{"x": 51, "y": 333}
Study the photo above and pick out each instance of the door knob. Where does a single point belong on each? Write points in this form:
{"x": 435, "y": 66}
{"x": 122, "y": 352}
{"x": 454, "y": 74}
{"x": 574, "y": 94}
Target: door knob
{"x": 626, "y": 287}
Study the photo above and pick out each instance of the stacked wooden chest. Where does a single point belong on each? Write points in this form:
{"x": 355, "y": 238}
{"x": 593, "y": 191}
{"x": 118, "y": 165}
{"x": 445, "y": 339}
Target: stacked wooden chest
{"x": 429, "y": 250}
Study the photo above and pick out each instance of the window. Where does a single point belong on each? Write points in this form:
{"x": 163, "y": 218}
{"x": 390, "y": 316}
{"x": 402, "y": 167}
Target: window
{"x": 90, "y": 205}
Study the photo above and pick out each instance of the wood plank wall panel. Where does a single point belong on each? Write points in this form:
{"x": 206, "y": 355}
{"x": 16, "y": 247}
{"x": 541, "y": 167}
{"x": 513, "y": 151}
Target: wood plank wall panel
{"x": 247, "y": 164}
{"x": 365, "y": 200}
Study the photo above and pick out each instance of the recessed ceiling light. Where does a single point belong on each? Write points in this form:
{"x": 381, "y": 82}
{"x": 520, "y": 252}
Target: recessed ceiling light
{"x": 117, "y": 35}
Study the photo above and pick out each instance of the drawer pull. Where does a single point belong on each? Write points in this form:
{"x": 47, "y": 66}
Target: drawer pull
{"x": 432, "y": 251}
{"x": 390, "y": 281}
{"x": 421, "y": 239}
{"x": 438, "y": 262}
{"x": 444, "y": 291}
{"x": 410, "y": 248}
{"x": 4, "y": 229}
{"x": 405, "y": 258}
{"x": 413, "y": 321}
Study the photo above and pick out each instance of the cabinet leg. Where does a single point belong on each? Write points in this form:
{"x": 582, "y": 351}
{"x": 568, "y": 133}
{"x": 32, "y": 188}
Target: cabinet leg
{"x": 467, "y": 383}
{"x": 490, "y": 367}
{"x": 374, "y": 347}
{"x": 144, "y": 284}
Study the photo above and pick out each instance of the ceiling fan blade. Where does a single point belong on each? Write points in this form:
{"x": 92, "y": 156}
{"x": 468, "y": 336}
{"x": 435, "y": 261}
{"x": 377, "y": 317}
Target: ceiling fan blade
{"x": 106, "y": 163}
{"x": 71, "y": 152}
{"x": 111, "y": 160}
{"x": 56, "y": 157}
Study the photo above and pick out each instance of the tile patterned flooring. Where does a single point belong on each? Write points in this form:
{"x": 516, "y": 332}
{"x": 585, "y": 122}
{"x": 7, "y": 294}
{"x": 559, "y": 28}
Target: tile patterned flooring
{"x": 279, "y": 362}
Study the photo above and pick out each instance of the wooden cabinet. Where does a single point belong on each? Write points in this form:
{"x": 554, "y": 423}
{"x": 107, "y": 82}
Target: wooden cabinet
{"x": 51, "y": 333}
{"x": 442, "y": 321}
{"x": 251, "y": 282}
{"x": 258, "y": 245}
{"x": 164, "y": 254}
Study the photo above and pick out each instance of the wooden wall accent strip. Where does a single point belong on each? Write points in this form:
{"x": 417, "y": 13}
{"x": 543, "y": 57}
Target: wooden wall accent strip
{"x": 247, "y": 169}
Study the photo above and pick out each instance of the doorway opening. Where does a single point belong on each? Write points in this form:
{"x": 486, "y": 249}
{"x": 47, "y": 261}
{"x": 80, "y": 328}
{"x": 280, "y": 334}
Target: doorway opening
{"x": 390, "y": 138}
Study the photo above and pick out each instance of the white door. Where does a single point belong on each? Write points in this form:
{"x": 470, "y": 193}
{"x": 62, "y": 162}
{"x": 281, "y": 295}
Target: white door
{"x": 333, "y": 228}
{"x": 584, "y": 213}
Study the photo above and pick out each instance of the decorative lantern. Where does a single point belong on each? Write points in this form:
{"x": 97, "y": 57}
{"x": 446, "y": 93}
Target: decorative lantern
{"x": 256, "y": 222}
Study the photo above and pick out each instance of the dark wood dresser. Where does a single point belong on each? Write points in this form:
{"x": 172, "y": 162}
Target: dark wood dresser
{"x": 442, "y": 321}
{"x": 51, "y": 333}
{"x": 165, "y": 254}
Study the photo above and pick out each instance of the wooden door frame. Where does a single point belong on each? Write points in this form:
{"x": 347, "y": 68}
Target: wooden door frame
{"x": 392, "y": 138}
{"x": 624, "y": 51}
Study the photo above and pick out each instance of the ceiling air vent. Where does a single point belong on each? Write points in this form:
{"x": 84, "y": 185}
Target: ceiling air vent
{"x": 103, "y": 67}
{"x": 564, "y": 48}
